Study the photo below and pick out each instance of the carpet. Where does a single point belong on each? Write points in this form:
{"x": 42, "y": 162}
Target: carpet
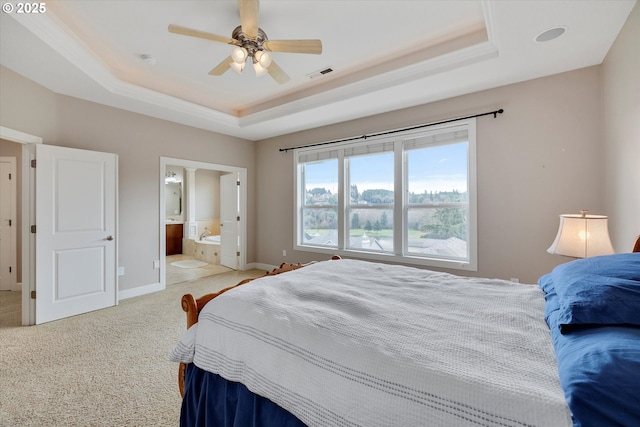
{"x": 189, "y": 263}
{"x": 105, "y": 368}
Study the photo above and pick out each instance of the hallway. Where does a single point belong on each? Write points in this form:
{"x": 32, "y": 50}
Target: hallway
{"x": 10, "y": 309}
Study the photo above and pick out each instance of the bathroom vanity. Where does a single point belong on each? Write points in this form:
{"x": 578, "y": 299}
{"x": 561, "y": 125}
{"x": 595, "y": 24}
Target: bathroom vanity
{"x": 174, "y": 235}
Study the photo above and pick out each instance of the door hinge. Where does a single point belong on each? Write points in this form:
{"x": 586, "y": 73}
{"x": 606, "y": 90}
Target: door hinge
{"x": 237, "y": 218}
{"x": 9, "y": 177}
{"x": 33, "y": 163}
{"x": 237, "y": 182}
{"x": 9, "y": 269}
{"x": 9, "y": 223}
{"x": 33, "y": 229}
{"x": 33, "y": 294}
{"x": 237, "y": 253}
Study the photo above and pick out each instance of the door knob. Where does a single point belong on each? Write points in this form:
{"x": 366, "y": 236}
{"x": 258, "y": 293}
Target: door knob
{"x": 109, "y": 238}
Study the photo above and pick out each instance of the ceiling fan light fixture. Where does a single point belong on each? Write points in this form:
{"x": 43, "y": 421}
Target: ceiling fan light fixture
{"x": 237, "y": 67}
{"x": 259, "y": 69}
{"x": 239, "y": 55}
{"x": 263, "y": 58}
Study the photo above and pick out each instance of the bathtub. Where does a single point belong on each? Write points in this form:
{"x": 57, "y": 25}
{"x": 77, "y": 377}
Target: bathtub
{"x": 207, "y": 250}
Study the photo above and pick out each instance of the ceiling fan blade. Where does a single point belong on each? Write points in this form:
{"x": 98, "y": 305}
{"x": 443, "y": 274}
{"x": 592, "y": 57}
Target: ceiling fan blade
{"x": 222, "y": 67}
{"x": 249, "y": 10}
{"x": 176, "y": 29}
{"x": 277, "y": 73}
{"x": 294, "y": 46}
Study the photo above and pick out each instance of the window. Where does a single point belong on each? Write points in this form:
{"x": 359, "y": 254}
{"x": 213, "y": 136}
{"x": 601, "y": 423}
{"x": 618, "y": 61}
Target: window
{"x": 407, "y": 197}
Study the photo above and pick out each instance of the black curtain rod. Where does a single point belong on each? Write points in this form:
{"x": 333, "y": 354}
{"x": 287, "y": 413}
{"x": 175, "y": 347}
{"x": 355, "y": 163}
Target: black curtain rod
{"x": 389, "y": 132}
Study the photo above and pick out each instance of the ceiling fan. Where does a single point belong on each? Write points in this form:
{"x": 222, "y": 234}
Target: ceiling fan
{"x": 251, "y": 43}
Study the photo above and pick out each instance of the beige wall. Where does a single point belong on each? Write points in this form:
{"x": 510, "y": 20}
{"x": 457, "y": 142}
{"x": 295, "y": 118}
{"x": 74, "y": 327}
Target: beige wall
{"x": 207, "y": 194}
{"x": 565, "y": 143}
{"x": 139, "y": 141}
{"x": 539, "y": 159}
{"x": 621, "y": 134}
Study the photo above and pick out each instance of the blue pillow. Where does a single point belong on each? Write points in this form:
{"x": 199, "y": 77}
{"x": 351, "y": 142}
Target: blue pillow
{"x": 602, "y": 290}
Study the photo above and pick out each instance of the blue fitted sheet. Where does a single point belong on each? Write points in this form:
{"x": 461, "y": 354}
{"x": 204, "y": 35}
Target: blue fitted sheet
{"x": 210, "y": 400}
{"x": 598, "y": 365}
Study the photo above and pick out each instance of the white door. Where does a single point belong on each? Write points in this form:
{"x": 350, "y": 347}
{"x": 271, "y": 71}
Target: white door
{"x": 229, "y": 220}
{"x": 8, "y": 269}
{"x": 76, "y": 214}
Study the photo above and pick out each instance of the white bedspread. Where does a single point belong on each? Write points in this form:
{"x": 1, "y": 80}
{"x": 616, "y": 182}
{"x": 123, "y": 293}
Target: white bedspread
{"x": 353, "y": 343}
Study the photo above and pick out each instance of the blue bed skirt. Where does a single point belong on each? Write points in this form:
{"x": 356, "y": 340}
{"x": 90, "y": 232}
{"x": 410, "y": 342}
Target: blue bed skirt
{"x": 210, "y": 400}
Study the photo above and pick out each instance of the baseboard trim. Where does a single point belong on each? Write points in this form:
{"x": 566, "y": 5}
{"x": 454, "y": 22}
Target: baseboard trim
{"x": 261, "y": 266}
{"x": 139, "y": 291}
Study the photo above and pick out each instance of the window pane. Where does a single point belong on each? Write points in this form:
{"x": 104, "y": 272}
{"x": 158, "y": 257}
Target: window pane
{"x": 371, "y": 229}
{"x": 371, "y": 179}
{"x": 371, "y": 183}
{"x": 437, "y": 169}
{"x": 321, "y": 182}
{"x": 320, "y": 227}
{"x": 439, "y": 232}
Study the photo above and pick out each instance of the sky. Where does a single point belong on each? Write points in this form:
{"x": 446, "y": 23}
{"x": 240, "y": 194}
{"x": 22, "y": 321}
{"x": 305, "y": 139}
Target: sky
{"x": 438, "y": 168}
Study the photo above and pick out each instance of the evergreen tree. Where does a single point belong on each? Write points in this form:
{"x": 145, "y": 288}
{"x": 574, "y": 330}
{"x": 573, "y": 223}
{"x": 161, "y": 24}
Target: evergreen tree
{"x": 384, "y": 221}
{"x": 355, "y": 196}
{"x": 355, "y": 221}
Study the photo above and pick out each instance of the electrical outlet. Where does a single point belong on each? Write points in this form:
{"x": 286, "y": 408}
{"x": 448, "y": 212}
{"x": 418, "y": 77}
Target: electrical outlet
{"x": 156, "y": 264}
{"x": 284, "y": 252}
{"x": 120, "y": 271}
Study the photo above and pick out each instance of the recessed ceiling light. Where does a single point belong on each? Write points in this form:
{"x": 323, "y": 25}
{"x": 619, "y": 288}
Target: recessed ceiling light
{"x": 550, "y": 34}
{"x": 149, "y": 59}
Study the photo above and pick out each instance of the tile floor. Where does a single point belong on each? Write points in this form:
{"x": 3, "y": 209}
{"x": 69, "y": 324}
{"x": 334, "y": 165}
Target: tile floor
{"x": 177, "y": 274}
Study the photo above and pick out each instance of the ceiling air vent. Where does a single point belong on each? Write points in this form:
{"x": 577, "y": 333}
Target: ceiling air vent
{"x": 320, "y": 73}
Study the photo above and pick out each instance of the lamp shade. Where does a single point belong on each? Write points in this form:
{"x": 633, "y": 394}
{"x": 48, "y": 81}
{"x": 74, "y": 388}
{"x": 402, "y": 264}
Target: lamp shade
{"x": 582, "y": 236}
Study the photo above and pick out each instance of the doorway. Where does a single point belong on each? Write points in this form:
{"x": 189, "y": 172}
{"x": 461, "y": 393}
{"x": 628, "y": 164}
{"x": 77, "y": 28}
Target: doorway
{"x": 179, "y": 203}
{"x": 22, "y": 146}
{"x": 10, "y": 221}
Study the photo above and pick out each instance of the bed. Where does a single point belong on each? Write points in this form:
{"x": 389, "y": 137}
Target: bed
{"x": 355, "y": 343}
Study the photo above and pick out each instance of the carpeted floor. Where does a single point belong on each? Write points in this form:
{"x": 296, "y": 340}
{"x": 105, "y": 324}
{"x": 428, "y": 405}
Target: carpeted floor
{"x": 10, "y": 309}
{"x": 105, "y": 368}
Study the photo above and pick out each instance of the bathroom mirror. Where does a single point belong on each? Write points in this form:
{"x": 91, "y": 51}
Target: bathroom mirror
{"x": 173, "y": 198}
{"x": 173, "y": 191}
